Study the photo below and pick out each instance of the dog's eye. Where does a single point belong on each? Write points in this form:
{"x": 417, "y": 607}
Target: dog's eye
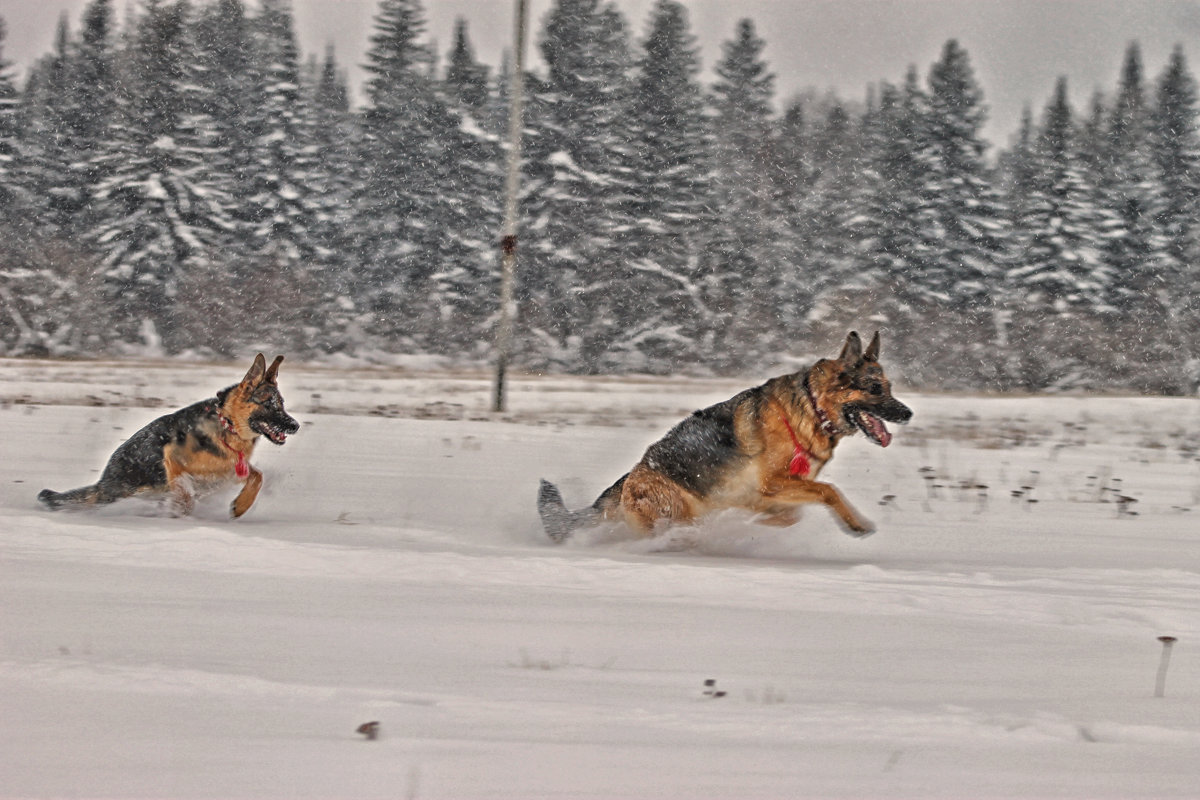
{"x": 875, "y": 388}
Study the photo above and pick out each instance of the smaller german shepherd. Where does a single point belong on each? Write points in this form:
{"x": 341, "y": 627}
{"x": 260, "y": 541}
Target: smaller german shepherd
{"x": 761, "y": 451}
{"x": 202, "y": 446}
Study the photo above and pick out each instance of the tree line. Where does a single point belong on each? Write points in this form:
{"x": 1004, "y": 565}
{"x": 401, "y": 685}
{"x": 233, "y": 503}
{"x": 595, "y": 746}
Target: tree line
{"x": 187, "y": 181}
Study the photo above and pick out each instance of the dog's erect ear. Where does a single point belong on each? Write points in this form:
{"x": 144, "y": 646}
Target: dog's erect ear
{"x": 852, "y": 352}
{"x": 273, "y": 370}
{"x": 872, "y": 351}
{"x": 255, "y": 375}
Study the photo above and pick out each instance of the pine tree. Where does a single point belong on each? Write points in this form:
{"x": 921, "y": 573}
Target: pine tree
{"x": 230, "y": 72}
{"x": 93, "y": 90}
{"x": 959, "y": 272}
{"x": 466, "y": 287}
{"x": 892, "y": 213}
{"x": 669, "y": 198}
{"x": 968, "y": 216}
{"x": 163, "y": 216}
{"x": 1128, "y": 190}
{"x": 466, "y": 79}
{"x": 744, "y": 253}
{"x": 1060, "y": 283}
{"x": 10, "y": 135}
{"x": 407, "y": 126}
{"x": 337, "y": 177}
{"x": 47, "y": 137}
{"x": 572, "y": 312}
{"x": 1175, "y": 144}
{"x": 1174, "y": 139}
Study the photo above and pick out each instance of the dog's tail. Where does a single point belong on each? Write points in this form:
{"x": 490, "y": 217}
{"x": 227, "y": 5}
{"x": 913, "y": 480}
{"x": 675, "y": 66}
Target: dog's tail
{"x": 83, "y": 496}
{"x": 560, "y": 522}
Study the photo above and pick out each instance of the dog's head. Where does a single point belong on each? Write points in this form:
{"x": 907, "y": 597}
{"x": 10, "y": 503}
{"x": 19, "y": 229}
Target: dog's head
{"x": 257, "y": 404}
{"x": 854, "y": 391}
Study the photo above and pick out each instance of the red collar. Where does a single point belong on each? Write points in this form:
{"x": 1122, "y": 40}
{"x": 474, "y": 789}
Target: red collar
{"x": 241, "y": 468}
{"x": 801, "y": 463}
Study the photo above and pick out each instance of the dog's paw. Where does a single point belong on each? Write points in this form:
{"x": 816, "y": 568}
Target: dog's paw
{"x": 860, "y": 528}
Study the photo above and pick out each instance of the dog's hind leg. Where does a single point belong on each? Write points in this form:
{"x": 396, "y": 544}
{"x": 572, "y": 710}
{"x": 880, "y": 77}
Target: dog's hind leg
{"x": 648, "y": 498}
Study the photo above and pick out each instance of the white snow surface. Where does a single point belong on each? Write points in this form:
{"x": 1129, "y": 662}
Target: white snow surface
{"x": 978, "y": 645}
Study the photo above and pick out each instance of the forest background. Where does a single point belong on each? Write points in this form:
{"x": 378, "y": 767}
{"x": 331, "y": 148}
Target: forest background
{"x": 186, "y": 181}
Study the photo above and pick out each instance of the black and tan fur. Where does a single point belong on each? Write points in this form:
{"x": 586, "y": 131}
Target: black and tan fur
{"x": 741, "y": 454}
{"x": 197, "y": 447}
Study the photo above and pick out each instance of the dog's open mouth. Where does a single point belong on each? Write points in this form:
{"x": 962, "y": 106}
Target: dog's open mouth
{"x": 274, "y": 433}
{"x": 872, "y": 426}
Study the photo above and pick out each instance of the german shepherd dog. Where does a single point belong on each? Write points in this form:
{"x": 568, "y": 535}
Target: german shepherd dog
{"x": 761, "y": 451}
{"x": 202, "y": 446}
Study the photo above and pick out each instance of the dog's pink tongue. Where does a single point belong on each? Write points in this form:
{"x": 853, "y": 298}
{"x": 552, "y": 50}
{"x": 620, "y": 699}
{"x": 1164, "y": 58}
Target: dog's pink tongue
{"x": 882, "y": 435}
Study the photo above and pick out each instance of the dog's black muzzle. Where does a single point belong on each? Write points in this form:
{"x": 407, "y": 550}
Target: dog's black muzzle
{"x": 276, "y": 427}
{"x": 869, "y": 418}
{"x": 892, "y": 410}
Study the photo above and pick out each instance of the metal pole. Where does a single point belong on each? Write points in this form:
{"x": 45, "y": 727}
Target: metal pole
{"x": 512, "y": 184}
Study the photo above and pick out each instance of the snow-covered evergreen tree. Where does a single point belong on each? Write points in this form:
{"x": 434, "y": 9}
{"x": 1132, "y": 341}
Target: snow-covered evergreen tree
{"x": 669, "y": 197}
{"x": 229, "y": 70}
{"x": 965, "y": 230}
{"x": 10, "y": 133}
{"x": 466, "y": 79}
{"x": 967, "y": 213}
{"x": 466, "y": 286}
{"x": 1174, "y": 141}
{"x": 336, "y": 179}
{"x": 573, "y": 267}
{"x": 1127, "y": 190}
{"x": 407, "y": 126}
{"x": 1060, "y": 283}
{"x": 47, "y": 139}
{"x": 1175, "y": 145}
{"x": 163, "y": 220}
{"x": 891, "y": 213}
{"x": 745, "y": 252}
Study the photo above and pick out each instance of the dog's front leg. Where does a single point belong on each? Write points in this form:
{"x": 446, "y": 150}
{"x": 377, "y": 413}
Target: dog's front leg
{"x": 241, "y": 504}
{"x": 802, "y": 490}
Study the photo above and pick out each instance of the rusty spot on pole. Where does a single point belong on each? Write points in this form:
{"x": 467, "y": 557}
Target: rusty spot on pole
{"x": 508, "y": 245}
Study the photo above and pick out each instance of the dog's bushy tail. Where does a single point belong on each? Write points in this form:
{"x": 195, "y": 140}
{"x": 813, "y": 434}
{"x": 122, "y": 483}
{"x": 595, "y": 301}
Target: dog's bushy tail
{"x": 557, "y": 520}
{"x": 560, "y": 522}
{"x": 84, "y": 495}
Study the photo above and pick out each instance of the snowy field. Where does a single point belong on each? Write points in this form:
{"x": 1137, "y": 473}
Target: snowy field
{"x": 995, "y": 638}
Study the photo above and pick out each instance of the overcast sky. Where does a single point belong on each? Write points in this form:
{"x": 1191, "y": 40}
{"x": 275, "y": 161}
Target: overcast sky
{"x": 1018, "y": 47}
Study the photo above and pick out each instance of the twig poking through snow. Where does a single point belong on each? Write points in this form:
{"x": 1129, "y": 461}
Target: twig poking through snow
{"x": 1160, "y": 684}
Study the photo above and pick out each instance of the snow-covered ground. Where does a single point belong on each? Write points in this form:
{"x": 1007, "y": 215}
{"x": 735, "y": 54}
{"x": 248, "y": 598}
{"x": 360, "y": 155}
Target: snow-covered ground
{"x": 986, "y": 642}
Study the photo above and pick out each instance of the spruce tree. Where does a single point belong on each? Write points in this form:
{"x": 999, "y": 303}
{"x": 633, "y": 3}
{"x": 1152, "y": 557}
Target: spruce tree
{"x": 743, "y": 253}
{"x": 1128, "y": 191}
{"x": 669, "y": 197}
{"x": 572, "y": 311}
{"x": 891, "y": 216}
{"x": 1175, "y": 145}
{"x": 10, "y": 134}
{"x": 335, "y": 181}
{"x": 406, "y": 128}
{"x": 1174, "y": 139}
{"x": 1060, "y": 283}
{"x": 163, "y": 222}
{"x": 959, "y": 272}
{"x": 466, "y": 79}
{"x": 466, "y": 287}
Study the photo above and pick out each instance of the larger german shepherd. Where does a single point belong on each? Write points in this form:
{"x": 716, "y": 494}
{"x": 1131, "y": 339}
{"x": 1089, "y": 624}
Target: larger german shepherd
{"x": 761, "y": 451}
{"x": 204, "y": 445}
